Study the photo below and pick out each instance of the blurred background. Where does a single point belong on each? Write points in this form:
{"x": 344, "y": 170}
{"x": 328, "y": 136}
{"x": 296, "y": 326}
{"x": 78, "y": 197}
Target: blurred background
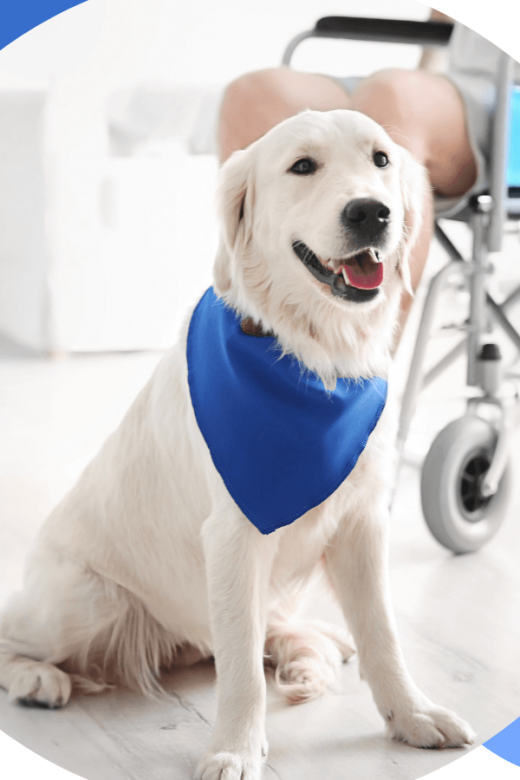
{"x": 107, "y": 171}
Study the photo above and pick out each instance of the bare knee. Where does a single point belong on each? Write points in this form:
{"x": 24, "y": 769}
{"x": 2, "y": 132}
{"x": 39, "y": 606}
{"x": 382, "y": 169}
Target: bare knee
{"x": 424, "y": 113}
{"x": 258, "y": 101}
{"x": 394, "y": 99}
{"x": 251, "y": 105}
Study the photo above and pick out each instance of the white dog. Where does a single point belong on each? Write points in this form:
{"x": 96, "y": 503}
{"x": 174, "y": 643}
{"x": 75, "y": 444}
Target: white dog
{"x": 149, "y": 561}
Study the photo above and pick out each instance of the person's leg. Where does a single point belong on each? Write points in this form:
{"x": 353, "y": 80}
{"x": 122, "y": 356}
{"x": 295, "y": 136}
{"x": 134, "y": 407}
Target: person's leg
{"x": 424, "y": 113}
{"x": 256, "y": 102}
{"x": 421, "y": 111}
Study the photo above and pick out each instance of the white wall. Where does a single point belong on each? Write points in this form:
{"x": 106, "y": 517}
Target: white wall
{"x": 187, "y": 40}
{"x": 70, "y": 280}
{"x": 24, "y": 257}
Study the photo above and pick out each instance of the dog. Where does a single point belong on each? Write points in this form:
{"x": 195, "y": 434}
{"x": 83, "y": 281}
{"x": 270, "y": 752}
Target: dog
{"x": 151, "y": 560}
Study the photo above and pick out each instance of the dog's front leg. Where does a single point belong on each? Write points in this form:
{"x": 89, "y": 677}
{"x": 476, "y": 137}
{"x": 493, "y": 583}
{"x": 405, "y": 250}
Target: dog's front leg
{"x": 238, "y": 565}
{"x": 357, "y": 562}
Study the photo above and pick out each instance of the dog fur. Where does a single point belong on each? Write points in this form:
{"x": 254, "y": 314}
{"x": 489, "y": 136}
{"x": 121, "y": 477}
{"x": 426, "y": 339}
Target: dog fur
{"x": 148, "y": 562}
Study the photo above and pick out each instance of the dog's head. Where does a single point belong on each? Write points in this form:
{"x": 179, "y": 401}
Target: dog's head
{"x": 318, "y": 220}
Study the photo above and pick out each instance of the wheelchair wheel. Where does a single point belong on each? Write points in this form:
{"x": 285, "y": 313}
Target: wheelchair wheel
{"x": 456, "y": 513}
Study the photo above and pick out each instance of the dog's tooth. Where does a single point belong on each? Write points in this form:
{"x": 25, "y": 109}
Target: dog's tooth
{"x": 345, "y": 277}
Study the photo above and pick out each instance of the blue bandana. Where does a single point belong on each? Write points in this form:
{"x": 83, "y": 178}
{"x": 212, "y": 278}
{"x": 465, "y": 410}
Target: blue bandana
{"x": 281, "y": 443}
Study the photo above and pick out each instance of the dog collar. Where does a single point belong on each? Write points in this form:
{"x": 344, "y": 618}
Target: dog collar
{"x": 280, "y": 441}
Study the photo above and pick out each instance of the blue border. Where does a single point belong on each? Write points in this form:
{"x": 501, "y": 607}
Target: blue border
{"x": 506, "y": 743}
{"x": 19, "y": 16}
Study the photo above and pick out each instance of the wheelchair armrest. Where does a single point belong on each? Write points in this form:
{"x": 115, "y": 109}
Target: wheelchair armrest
{"x": 378, "y": 30}
{"x": 385, "y": 30}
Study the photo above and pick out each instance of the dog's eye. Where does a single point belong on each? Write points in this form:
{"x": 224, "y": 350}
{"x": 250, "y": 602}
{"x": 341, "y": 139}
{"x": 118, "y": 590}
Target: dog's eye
{"x": 380, "y": 159}
{"x": 303, "y": 167}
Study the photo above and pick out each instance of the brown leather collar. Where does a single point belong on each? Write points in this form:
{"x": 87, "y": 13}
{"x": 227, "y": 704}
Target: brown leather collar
{"x": 251, "y": 328}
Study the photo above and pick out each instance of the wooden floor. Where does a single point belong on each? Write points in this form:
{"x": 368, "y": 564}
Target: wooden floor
{"x": 458, "y": 616}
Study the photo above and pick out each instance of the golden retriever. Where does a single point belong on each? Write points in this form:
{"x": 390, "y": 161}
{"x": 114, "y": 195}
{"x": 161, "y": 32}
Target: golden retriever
{"x": 149, "y": 562}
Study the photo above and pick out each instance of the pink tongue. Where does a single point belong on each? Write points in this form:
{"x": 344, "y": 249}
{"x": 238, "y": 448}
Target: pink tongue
{"x": 365, "y": 279}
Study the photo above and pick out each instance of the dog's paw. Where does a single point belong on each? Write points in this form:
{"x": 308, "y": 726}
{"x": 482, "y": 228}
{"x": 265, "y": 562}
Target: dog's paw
{"x": 40, "y": 685}
{"x": 230, "y": 766}
{"x": 430, "y": 727}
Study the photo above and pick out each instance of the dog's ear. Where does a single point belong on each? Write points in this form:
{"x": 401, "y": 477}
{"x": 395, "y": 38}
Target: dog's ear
{"x": 235, "y": 199}
{"x": 415, "y": 190}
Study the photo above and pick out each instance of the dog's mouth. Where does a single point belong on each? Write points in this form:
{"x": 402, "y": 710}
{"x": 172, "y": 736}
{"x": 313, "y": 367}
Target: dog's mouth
{"x": 356, "y": 278}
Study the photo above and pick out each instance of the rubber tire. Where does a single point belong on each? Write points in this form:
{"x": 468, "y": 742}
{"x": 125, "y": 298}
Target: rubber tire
{"x": 444, "y": 512}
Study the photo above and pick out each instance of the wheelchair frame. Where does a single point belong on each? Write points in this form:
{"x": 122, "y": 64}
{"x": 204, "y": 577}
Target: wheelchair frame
{"x": 446, "y": 514}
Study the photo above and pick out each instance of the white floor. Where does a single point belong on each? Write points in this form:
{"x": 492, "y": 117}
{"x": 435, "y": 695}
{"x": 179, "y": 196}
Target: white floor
{"x": 458, "y": 617}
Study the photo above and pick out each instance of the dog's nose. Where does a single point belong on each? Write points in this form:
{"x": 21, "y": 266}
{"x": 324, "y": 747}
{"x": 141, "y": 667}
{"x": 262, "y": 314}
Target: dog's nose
{"x": 366, "y": 217}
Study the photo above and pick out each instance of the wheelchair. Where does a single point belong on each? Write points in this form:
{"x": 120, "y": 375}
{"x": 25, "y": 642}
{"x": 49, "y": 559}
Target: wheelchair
{"x": 466, "y": 476}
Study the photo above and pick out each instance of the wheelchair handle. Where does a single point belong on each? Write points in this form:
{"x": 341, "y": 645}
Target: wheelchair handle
{"x": 377, "y": 30}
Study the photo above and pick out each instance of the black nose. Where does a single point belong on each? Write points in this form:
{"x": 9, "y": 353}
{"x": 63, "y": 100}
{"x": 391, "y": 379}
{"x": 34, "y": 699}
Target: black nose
{"x": 365, "y": 217}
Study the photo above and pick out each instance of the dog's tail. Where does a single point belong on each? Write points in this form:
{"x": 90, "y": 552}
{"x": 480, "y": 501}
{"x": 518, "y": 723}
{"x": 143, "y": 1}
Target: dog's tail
{"x": 130, "y": 652}
{"x": 87, "y": 626}
{"x": 306, "y": 656}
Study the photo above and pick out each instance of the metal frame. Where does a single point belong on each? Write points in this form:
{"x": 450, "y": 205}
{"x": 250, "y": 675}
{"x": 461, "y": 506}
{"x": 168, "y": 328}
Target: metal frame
{"x": 373, "y": 29}
{"x": 486, "y": 214}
